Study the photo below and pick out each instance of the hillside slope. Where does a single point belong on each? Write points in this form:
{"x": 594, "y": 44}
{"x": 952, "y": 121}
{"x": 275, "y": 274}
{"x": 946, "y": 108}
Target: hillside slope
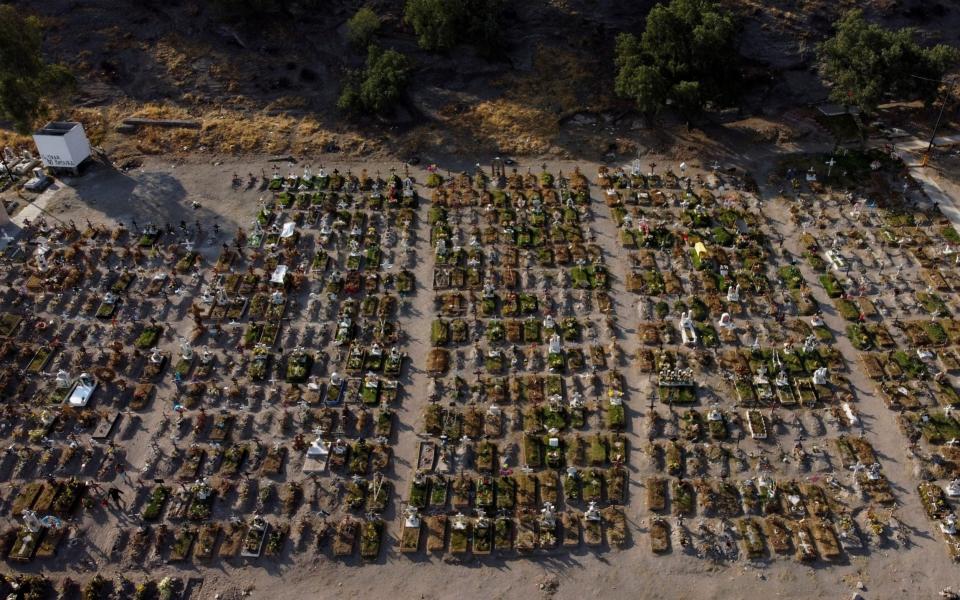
{"x": 270, "y": 86}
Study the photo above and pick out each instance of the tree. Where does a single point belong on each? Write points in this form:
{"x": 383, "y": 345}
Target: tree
{"x": 641, "y": 83}
{"x": 385, "y": 79}
{"x": 435, "y": 22}
{"x": 27, "y": 83}
{"x": 687, "y": 57}
{"x": 362, "y": 26}
{"x": 379, "y": 86}
{"x": 441, "y": 24}
{"x": 865, "y": 62}
{"x": 687, "y": 98}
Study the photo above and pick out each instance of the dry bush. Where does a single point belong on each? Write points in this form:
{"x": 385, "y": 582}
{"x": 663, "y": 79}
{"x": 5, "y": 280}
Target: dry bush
{"x": 161, "y": 111}
{"x": 310, "y": 137}
{"x": 164, "y": 140}
{"x": 96, "y": 122}
{"x": 525, "y": 120}
{"x": 286, "y": 103}
{"x": 235, "y": 133}
{"x": 561, "y": 81}
{"x": 189, "y": 63}
{"x": 228, "y": 129}
{"x": 169, "y": 54}
{"x": 514, "y": 127}
{"x": 352, "y": 144}
{"x": 15, "y": 140}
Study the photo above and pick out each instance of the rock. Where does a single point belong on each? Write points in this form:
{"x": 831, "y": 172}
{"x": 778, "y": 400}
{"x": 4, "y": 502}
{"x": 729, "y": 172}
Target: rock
{"x": 583, "y": 119}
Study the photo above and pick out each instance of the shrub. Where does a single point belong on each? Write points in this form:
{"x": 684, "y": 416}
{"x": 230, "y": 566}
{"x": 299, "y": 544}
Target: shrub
{"x": 791, "y": 276}
{"x": 26, "y": 81}
{"x": 441, "y": 24}
{"x": 379, "y": 86}
{"x": 722, "y": 237}
{"x": 661, "y": 309}
{"x": 362, "y": 26}
{"x": 848, "y": 310}
{"x": 435, "y": 22}
{"x": 831, "y": 285}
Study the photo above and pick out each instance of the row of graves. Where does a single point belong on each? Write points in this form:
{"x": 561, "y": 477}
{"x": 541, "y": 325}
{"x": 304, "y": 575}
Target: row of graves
{"x": 890, "y": 269}
{"x": 752, "y": 425}
{"x": 257, "y": 382}
{"x": 65, "y": 376}
{"x": 523, "y": 450}
{"x": 40, "y": 586}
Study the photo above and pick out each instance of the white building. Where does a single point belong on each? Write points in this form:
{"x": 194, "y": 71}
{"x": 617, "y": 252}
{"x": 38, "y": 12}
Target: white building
{"x": 62, "y": 145}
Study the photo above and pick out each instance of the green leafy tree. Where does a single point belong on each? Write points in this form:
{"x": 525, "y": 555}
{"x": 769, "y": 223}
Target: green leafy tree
{"x": 644, "y": 84}
{"x": 379, "y": 86}
{"x": 687, "y": 57}
{"x": 865, "y": 63}
{"x": 435, "y": 22}
{"x": 442, "y": 24}
{"x": 349, "y": 99}
{"x": 27, "y": 83}
{"x": 362, "y": 26}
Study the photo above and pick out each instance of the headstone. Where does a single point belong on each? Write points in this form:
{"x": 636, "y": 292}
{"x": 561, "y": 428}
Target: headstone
{"x": 820, "y": 376}
{"x": 554, "y": 344}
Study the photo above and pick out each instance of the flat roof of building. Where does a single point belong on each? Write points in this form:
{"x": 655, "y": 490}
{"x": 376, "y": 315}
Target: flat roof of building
{"x": 57, "y": 128}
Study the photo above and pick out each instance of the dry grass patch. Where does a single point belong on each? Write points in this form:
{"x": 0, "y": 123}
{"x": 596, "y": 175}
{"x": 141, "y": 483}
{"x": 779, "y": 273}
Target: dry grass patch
{"x": 525, "y": 120}
{"x": 514, "y": 127}
{"x": 235, "y": 133}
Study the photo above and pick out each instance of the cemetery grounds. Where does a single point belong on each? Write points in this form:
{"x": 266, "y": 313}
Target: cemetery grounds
{"x": 569, "y": 380}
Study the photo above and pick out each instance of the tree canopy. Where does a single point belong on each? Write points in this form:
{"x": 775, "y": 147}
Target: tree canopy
{"x": 434, "y": 22}
{"x": 26, "y": 81}
{"x": 865, "y": 63}
{"x": 362, "y": 26}
{"x": 379, "y": 86}
{"x": 441, "y": 25}
{"x": 686, "y": 57}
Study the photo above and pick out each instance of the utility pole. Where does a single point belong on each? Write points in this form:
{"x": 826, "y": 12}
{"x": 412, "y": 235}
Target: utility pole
{"x": 943, "y": 105}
